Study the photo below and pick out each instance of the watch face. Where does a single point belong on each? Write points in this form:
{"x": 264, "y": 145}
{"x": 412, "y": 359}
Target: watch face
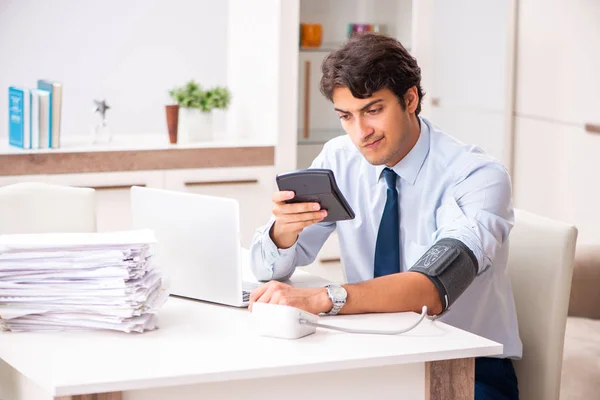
{"x": 338, "y": 292}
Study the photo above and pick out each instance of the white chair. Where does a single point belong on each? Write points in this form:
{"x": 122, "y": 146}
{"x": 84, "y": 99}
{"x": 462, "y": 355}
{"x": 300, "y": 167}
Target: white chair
{"x": 34, "y": 207}
{"x": 541, "y": 267}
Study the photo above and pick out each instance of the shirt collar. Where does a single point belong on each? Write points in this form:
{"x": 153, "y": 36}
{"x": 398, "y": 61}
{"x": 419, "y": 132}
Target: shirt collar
{"x": 408, "y": 168}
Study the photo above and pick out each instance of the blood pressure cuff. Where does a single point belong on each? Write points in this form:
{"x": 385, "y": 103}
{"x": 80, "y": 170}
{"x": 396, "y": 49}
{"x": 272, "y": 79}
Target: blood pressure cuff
{"x": 451, "y": 266}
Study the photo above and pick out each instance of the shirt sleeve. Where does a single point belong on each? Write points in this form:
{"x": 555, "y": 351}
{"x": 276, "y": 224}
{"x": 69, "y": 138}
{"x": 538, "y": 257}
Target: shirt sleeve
{"x": 479, "y": 212}
{"x": 268, "y": 262}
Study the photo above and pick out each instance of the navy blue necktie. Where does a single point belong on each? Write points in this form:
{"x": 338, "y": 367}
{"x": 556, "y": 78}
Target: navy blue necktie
{"x": 387, "y": 249}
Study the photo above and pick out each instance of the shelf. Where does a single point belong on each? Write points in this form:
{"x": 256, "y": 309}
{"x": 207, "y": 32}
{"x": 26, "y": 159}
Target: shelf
{"x": 124, "y": 142}
{"x": 134, "y": 159}
{"x": 324, "y": 48}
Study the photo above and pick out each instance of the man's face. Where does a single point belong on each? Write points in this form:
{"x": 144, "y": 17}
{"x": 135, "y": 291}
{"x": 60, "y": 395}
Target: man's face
{"x": 378, "y": 126}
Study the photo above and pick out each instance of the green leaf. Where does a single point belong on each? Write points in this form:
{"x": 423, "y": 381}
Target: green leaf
{"x": 191, "y": 95}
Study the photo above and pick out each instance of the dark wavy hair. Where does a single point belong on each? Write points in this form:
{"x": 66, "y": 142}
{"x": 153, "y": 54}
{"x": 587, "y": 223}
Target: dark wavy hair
{"x": 369, "y": 62}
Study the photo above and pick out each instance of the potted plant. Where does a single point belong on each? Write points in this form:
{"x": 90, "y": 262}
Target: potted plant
{"x": 195, "y": 107}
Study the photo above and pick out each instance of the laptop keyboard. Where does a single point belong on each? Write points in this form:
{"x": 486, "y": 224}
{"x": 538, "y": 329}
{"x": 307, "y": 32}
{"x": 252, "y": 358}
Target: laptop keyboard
{"x": 247, "y": 288}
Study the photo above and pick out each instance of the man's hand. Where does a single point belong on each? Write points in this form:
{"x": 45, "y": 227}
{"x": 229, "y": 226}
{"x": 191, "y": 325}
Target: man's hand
{"x": 312, "y": 300}
{"x": 291, "y": 219}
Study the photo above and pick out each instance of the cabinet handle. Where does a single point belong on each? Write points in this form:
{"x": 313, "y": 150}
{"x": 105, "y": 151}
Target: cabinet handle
{"x": 329, "y": 260}
{"x": 115, "y": 187}
{"x": 214, "y": 183}
{"x": 592, "y": 128}
{"x": 305, "y": 134}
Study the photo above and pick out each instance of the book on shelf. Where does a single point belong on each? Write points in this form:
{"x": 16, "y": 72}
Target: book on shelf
{"x": 55, "y": 90}
{"x": 34, "y": 119}
{"x": 35, "y": 115}
{"x": 40, "y": 119}
{"x": 19, "y": 126}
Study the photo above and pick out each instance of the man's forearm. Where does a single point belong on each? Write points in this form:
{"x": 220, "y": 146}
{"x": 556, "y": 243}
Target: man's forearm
{"x": 405, "y": 291}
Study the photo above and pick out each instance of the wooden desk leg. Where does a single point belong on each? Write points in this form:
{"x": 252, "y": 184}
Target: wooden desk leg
{"x": 99, "y": 396}
{"x": 450, "y": 379}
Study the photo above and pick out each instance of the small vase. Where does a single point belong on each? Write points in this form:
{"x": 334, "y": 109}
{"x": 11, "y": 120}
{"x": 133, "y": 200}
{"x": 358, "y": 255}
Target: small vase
{"x": 194, "y": 125}
{"x": 172, "y": 112}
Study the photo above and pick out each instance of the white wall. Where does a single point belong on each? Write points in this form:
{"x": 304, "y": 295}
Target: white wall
{"x": 423, "y": 34}
{"x": 252, "y": 71}
{"x": 263, "y": 72}
{"x": 130, "y": 52}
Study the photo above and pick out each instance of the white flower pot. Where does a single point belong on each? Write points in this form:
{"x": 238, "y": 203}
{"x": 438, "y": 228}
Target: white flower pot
{"x": 194, "y": 126}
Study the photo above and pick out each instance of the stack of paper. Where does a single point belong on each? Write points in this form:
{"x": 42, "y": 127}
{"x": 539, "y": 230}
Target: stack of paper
{"x": 80, "y": 281}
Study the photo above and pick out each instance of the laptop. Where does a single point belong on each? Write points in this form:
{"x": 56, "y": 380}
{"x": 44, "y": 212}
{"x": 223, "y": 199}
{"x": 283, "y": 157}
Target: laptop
{"x": 198, "y": 240}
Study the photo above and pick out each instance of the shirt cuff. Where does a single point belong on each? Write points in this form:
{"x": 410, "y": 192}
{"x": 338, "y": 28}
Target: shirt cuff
{"x": 270, "y": 249}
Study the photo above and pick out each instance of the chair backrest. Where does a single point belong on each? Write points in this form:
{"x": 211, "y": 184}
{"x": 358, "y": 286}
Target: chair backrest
{"x": 541, "y": 267}
{"x": 35, "y": 207}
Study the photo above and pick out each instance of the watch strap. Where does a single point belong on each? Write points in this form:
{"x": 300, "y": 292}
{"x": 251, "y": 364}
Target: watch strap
{"x": 337, "y": 304}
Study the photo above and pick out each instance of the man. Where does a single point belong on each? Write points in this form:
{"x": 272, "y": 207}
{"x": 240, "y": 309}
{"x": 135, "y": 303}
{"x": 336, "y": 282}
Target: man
{"x": 432, "y": 221}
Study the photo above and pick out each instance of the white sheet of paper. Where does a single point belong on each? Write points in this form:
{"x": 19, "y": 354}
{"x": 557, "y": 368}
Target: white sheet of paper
{"x": 80, "y": 281}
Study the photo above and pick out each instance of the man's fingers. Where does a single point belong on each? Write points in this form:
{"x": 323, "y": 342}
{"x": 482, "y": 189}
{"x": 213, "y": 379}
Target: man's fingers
{"x": 265, "y": 297}
{"x": 256, "y": 293}
{"x": 297, "y": 208}
{"x": 275, "y": 297}
{"x": 309, "y": 216}
{"x": 280, "y": 197}
{"x": 298, "y": 226}
{"x": 271, "y": 292}
{"x": 264, "y": 293}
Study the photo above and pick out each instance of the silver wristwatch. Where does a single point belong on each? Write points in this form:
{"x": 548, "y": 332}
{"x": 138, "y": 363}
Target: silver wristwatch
{"x": 338, "y": 295}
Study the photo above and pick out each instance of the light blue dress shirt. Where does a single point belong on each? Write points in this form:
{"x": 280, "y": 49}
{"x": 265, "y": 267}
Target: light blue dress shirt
{"x": 447, "y": 189}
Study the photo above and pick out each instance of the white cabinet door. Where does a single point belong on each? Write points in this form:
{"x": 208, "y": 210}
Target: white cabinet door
{"x": 558, "y": 61}
{"x": 557, "y": 174}
{"x": 252, "y": 187}
{"x": 113, "y": 205}
{"x": 468, "y": 75}
{"x": 557, "y": 94}
{"x": 12, "y": 179}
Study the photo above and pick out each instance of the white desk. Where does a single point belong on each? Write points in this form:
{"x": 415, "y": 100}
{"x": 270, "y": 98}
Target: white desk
{"x": 206, "y": 351}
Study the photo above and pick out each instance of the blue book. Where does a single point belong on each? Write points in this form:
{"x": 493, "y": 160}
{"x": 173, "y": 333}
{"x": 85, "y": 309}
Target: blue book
{"x": 55, "y": 89}
{"x": 19, "y": 123}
